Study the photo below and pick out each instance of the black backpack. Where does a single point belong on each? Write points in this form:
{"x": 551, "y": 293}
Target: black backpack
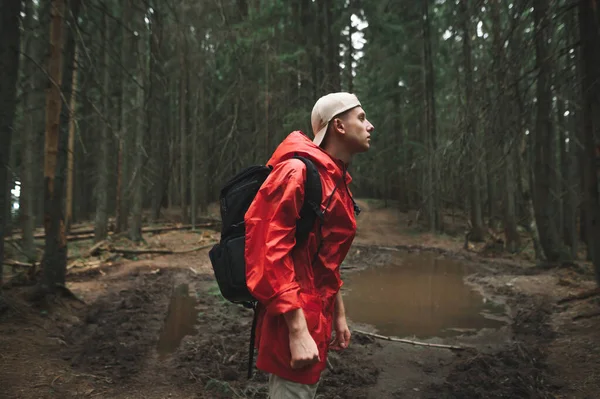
{"x": 227, "y": 256}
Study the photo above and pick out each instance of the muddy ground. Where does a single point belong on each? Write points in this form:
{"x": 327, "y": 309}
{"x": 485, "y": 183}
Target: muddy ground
{"x": 115, "y": 344}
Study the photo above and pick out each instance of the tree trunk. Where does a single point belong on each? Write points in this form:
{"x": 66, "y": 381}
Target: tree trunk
{"x": 590, "y": 84}
{"x": 491, "y": 192}
{"x": 54, "y": 263}
{"x": 319, "y": 61}
{"x": 55, "y": 234}
{"x": 544, "y": 142}
{"x": 183, "y": 178}
{"x": 522, "y": 161}
{"x": 571, "y": 203}
{"x": 306, "y": 64}
{"x": 135, "y": 231}
{"x": 332, "y": 52}
{"x": 12, "y": 181}
{"x": 120, "y": 210}
{"x": 205, "y": 165}
{"x": 9, "y": 65}
{"x": 561, "y": 172}
{"x": 172, "y": 180}
{"x": 267, "y": 106}
{"x": 158, "y": 123}
{"x": 432, "y": 199}
{"x": 41, "y": 54}
{"x": 194, "y": 172}
{"x": 403, "y": 166}
{"x": 71, "y": 152}
{"x": 101, "y": 223}
{"x": 350, "y": 51}
{"x": 123, "y": 160}
{"x": 476, "y": 233}
{"x": 571, "y": 171}
{"x": 511, "y": 235}
{"x": 525, "y": 187}
{"x": 26, "y": 198}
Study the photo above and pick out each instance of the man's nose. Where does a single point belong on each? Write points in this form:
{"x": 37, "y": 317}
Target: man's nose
{"x": 370, "y": 127}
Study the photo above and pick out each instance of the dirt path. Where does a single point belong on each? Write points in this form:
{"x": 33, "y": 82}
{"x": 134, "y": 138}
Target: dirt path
{"x": 116, "y": 344}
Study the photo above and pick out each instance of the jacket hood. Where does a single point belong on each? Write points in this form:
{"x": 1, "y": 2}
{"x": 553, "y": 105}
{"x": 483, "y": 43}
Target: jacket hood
{"x": 297, "y": 143}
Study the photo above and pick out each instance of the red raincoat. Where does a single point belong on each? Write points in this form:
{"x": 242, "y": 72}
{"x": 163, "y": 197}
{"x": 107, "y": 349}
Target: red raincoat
{"x": 279, "y": 275}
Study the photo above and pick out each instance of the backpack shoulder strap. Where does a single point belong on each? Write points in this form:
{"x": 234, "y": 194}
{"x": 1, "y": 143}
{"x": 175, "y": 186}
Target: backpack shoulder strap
{"x": 311, "y": 208}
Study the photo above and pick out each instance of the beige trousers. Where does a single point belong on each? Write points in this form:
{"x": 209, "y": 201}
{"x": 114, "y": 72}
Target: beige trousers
{"x": 280, "y": 388}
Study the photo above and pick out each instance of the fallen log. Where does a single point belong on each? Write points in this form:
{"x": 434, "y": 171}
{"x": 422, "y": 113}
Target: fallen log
{"x": 186, "y": 251}
{"x": 586, "y": 315}
{"x": 95, "y": 248}
{"x": 83, "y": 265}
{"x": 89, "y": 233}
{"x": 39, "y": 236}
{"x": 124, "y": 251}
{"x": 174, "y": 228}
{"x": 407, "y": 341}
{"x": 75, "y": 232}
{"x": 81, "y": 237}
{"x": 580, "y": 297}
{"x": 76, "y": 237}
{"x": 127, "y": 251}
{"x": 76, "y": 228}
{"x": 79, "y": 264}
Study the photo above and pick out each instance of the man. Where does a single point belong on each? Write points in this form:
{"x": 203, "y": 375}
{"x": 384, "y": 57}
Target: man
{"x": 298, "y": 286}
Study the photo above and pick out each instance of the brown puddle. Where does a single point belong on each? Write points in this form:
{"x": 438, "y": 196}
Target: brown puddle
{"x": 180, "y": 320}
{"x": 418, "y": 294}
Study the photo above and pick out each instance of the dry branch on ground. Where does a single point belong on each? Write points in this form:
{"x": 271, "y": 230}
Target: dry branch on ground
{"x": 10, "y": 262}
{"x": 408, "y": 341}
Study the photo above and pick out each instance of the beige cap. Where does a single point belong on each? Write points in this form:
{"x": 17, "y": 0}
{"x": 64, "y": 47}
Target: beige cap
{"x": 328, "y": 107}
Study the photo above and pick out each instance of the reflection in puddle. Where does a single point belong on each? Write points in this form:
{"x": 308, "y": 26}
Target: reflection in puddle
{"x": 180, "y": 320}
{"x": 418, "y": 295}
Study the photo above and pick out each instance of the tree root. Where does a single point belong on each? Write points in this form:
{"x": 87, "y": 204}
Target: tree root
{"x": 67, "y": 293}
{"x": 41, "y": 293}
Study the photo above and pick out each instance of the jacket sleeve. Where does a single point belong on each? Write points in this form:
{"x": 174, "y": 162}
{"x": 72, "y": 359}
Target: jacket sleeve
{"x": 271, "y": 235}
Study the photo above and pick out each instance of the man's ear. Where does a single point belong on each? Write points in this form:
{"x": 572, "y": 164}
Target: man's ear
{"x": 339, "y": 125}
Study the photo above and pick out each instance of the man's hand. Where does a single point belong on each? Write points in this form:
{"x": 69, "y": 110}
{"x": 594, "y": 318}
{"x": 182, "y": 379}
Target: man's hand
{"x": 303, "y": 349}
{"x": 341, "y": 340}
{"x": 302, "y": 345}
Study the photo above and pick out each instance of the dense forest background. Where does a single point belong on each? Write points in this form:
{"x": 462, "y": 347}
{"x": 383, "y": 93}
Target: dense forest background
{"x": 114, "y": 111}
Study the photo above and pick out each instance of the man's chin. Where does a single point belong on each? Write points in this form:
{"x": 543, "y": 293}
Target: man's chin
{"x": 362, "y": 148}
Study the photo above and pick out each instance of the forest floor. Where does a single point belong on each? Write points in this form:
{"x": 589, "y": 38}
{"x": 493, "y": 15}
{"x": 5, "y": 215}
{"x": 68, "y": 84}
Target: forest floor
{"x": 114, "y": 343}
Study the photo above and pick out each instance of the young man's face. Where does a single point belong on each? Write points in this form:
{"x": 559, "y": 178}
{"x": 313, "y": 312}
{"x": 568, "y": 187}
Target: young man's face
{"x": 357, "y": 130}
